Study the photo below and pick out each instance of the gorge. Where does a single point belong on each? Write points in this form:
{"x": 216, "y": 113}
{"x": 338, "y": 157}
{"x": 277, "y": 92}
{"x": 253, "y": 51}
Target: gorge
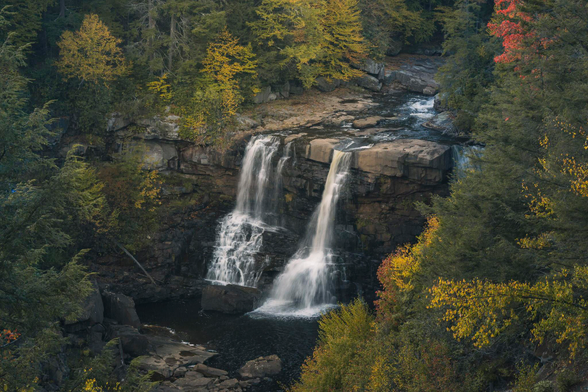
{"x": 316, "y": 208}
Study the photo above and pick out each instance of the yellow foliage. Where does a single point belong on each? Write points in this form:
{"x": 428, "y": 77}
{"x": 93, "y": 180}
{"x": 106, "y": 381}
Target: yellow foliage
{"x": 481, "y": 310}
{"x": 215, "y": 106}
{"x": 398, "y": 272}
{"x": 161, "y": 88}
{"x": 91, "y": 53}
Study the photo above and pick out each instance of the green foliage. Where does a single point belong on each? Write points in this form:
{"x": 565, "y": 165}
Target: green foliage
{"x": 319, "y": 38}
{"x": 336, "y": 364}
{"x": 468, "y": 73}
{"x": 132, "y": 196}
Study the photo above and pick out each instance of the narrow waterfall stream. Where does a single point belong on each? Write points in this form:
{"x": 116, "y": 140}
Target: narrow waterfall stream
{"x": 240, "y": 233}
{"x": 303, "y": 288}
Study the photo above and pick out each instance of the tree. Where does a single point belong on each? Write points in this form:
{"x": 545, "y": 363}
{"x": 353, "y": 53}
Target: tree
{"x": 468, "y": 72}
{"x": 91, "y": 54}
{"x": 214, "y": 106}
{"x": 320, "y": 37}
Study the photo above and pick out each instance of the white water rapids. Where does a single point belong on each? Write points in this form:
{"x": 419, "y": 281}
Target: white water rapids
{"x": 303, "y": 287}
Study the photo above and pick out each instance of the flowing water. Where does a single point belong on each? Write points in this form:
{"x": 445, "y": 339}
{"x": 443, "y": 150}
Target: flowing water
{"x": 303, "y": 288}
{"x": 240, "y": 233}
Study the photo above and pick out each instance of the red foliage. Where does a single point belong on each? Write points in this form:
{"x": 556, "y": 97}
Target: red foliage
{"x": 8, "y": 336}
{"x": 511, "y": 29}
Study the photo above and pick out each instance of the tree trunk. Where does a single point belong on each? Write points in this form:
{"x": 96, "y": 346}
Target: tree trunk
{"x": 62, "y": 8}
{"x": 172, "y": 33}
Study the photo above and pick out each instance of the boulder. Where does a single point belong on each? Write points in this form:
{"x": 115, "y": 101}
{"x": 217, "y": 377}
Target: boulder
{"x": 209, "y": 371}
{"x": 133, "y": 343}
{"x": 371, "y": 67}
{"x": 321, "y": 150}
{"x": 263, "y": 96}
{"x": 416, "y": 79}
{"x": 120, "y": 308}
{"x": 327, "y": 86}
{"x": 261, "y": 367}
{"x": 369, "y": 82}
{"x": 367, "y": 122}
{"x": 93, "y": 308}
{"x": 284, "y": 90}
{"x": 430, "y": 91}
{"x": 389, "y": 77}
{"x": 230, "y": 298}
{"x": 442, "y": 122}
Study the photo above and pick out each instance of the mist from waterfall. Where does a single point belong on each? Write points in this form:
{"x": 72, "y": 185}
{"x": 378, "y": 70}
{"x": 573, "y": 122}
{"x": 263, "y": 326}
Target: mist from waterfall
{"x": 303, "y": 288}
{"x": 240, "y": 233}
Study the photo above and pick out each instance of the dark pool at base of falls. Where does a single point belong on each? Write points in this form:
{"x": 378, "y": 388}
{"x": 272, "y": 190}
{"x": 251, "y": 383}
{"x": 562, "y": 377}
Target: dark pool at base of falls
{"x": 238, "y": 339}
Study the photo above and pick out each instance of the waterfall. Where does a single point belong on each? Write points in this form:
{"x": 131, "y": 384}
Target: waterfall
{"x": 240, "y": 233}
{"x": 462, "y": 155}
{"x": 303, "y": 286}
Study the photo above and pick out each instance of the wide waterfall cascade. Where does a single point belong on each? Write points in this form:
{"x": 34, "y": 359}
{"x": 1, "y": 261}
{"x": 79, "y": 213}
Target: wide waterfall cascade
{"x": 303, "y": 287}
{"x": 240, "y": 233}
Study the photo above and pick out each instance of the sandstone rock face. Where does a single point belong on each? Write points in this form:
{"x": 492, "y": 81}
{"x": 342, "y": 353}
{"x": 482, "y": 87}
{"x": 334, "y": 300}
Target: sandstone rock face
{"x": 230, "y": 299}
{"x": 120, "y": 308}
{"x": 419, "y": 160}
{"x": 261, "y": 367}
{"x": 321, "y": 150}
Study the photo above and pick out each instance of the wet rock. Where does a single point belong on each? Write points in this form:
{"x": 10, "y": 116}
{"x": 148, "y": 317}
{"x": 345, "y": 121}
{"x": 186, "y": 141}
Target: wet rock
{"x": 133, "y": 343}
{"x": 261, "y": 367}
{"x": 231, "y": 299}
{"x": 367, "y": 122}
{"x": 442, "y": 122}
{"x": 369, "y": 82}
{"x": 121, "y": 308}
{"x": 326, "y": 86}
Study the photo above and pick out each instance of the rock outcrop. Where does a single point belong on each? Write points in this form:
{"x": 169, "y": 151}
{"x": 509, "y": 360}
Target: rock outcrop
{"x": 230, "y": 298}
{"x": 261, "y": 367}
{"x": 120, "y": 308}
